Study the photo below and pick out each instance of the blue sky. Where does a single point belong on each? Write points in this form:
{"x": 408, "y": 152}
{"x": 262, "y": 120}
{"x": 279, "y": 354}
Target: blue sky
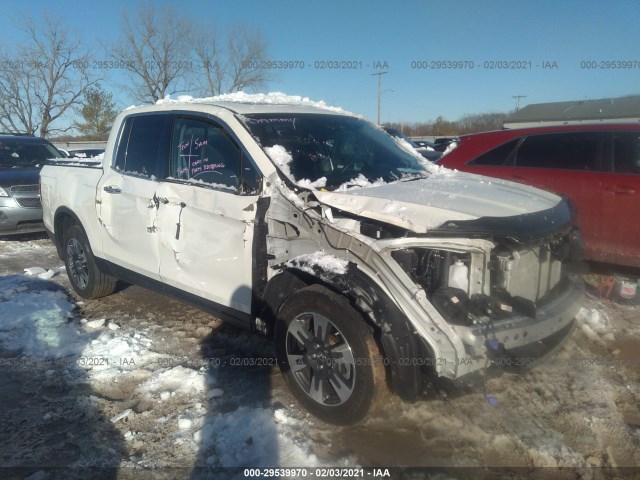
{"x": 535, "y": 33}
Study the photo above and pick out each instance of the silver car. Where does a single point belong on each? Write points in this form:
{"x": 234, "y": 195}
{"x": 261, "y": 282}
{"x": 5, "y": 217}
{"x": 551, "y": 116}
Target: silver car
{"x": 21, "y": 158}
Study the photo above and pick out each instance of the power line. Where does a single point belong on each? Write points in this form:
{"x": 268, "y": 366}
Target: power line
{"x": 517, "y": 98}
{"x": 379, "y": 74}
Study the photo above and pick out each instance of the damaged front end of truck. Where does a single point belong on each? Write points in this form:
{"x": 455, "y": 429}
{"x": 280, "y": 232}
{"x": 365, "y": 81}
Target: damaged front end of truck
{"x": 453, "y": 271}
{"x": 453, "y": 299}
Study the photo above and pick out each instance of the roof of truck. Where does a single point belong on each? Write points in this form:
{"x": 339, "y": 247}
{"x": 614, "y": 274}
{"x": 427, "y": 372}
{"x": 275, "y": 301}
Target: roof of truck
{"x": 243, "y": 103}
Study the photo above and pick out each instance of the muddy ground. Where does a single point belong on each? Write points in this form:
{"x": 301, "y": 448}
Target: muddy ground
{"x": 579, "y": 411}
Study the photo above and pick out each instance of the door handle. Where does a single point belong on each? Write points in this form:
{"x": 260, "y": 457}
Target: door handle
{"x": 110, "y": 189}
{"x": 620, "y": 189}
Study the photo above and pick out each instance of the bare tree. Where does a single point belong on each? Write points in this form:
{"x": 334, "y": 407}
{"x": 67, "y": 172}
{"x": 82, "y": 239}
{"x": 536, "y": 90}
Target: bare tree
{"x": 207, "y": 51}
{"x": 238, "y": 66}
{"x": 481, "y": 122}
{"x": 155, "y": 50}
{"x": 442, "y": 126}
{"x": 17, "y": 97}
{"x": 164, "y": 51}
{"x": 469, "y": 123}
{"x": 45, "y": 77}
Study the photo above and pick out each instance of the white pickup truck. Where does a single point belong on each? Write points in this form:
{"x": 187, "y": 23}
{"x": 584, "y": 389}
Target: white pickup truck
{"x": 370, "y": 267}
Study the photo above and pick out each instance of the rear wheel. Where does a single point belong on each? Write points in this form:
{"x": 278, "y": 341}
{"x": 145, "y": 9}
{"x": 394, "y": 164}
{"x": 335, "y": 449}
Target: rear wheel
{"x": 85, "y": 276}
{"x": 328, "y": 356}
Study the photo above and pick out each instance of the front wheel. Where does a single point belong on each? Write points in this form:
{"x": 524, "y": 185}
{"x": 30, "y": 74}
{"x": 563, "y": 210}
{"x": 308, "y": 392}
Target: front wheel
{"x": 85, "y": 276}
{"x": 328, "y": 356}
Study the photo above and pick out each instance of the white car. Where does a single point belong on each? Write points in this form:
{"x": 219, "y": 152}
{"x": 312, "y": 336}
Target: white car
{"x": 368, "y": 265}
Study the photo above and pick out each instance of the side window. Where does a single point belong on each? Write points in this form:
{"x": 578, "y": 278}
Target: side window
{"x": 572, "y": 151}
{"x": 626, "y": 152}
{"x": 501, "y": 155}
{"x": 144, "y": 145}
{"x": 203, "y": 152}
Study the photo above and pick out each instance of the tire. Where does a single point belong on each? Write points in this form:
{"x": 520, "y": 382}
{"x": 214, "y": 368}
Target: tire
{"x": 328, "y": 356}
{"x": 85, "y": 276}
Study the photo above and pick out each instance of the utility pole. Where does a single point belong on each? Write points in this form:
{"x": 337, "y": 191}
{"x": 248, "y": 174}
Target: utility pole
{"x": 379, "y": 74}
{"x": 517, "y": 98}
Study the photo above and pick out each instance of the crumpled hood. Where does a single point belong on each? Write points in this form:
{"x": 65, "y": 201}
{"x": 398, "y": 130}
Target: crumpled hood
{"x": 424, "y": 204}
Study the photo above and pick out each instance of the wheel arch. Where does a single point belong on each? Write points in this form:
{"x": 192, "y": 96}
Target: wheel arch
{"x": 393, "y": 330}
{"x": 62, "y": 220}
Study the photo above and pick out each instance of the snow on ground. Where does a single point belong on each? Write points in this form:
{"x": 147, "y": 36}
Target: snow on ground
{"x": 141, "y": 382}
{"x": 35, "y": 320}
{"x": 596, "y": 325}
{"x": 39, "y": 324}
{"x": 154, "y": 397}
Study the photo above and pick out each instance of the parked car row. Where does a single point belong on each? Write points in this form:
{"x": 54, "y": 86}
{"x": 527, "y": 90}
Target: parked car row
{"x": 596, "y": 166}
{"x": 441, "y": 144}
{"x": 426, "y": 151}
{"x": 81, "y": 152}
{"x": 21, "y": 159}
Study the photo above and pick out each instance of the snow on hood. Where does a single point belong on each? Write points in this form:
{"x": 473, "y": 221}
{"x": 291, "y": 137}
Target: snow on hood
{"x": 271, "y": 98}
{"x": 424, "y": 204}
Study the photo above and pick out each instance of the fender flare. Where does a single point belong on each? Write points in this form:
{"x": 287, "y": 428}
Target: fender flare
{"x": 58, "y": 226}
{"x": 397, "y": 337}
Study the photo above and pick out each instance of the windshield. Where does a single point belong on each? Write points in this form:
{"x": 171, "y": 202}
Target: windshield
{"x": 332, "y": 151}
{"x": 15, "y": 154}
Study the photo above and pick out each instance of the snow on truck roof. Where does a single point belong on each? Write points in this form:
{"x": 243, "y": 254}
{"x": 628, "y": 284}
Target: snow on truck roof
{"x": 246, "y": 103}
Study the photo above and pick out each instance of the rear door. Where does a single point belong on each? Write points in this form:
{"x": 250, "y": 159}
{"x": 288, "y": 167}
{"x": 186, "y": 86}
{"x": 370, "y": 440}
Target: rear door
{"x": 621, "y": 200}
{"x": 206, "y": 213}
{"x": 125, "y": 193}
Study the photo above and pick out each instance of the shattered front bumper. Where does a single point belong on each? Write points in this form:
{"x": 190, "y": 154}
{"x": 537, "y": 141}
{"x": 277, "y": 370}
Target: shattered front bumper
{"x": 517, "y": 332}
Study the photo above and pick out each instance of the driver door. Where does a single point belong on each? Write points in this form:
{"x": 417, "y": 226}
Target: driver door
{"x": 206, "y": 213}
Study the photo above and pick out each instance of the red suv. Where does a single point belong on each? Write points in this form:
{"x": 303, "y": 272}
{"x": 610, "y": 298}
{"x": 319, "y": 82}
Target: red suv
{"x": 597, "y": 166}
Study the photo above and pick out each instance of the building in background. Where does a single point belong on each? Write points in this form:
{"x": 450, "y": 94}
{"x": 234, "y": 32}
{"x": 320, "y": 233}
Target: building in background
{"x": 606, "y": 110}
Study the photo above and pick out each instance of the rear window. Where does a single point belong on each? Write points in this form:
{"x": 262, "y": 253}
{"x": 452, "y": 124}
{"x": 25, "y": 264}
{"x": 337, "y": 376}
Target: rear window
{"x": 144, "y": 145}
{"x": 570, "y": 151}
